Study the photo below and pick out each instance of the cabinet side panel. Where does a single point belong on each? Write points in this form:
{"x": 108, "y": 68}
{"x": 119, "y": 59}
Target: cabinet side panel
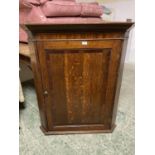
{"x": 38, "y": 82}
{"x": 123, "y": 47}
{"x": 112, "y": 80}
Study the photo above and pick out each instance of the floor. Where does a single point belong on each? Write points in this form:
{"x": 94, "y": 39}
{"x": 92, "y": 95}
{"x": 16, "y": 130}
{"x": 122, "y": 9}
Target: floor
{"x": 120, "y": 142}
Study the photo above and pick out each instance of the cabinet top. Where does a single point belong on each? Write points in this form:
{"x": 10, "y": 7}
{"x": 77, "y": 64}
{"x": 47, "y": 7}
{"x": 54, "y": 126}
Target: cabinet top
{"x": 97, "y": 27}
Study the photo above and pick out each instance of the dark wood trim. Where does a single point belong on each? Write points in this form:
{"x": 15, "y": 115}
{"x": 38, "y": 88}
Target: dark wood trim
{"x": 84, "y": 39}
{"x": 38, "y": 83}
{"x": 97, "y": 27}
{"x": 75, "y": 50}
{"x": 47, "y": 133}
{"x": 119, "y": 77}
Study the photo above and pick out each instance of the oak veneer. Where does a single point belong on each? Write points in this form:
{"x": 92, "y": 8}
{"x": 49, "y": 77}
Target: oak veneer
{"x": 77, "y": 72}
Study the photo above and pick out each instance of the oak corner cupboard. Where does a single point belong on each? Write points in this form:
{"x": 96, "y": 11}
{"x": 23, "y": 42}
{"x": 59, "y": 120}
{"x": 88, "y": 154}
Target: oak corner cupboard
{"x": 77, "y": 71}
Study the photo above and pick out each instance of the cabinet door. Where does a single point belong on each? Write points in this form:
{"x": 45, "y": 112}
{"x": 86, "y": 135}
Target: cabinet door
{"x": 79, "y": 84}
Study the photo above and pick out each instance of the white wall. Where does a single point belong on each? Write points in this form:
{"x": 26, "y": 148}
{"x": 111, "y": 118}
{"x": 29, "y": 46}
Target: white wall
{"x": 122, "y": 10}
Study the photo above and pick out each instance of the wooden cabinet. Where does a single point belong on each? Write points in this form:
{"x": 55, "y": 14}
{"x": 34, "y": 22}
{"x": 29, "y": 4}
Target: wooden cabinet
{"x": 77, "y": 70}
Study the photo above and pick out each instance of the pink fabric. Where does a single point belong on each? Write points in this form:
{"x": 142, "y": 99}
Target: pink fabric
{"x": 33, "y": 15}
{"x": 72, "y": 20}
{"x": 43, "y": 1}
{"x": 65, "y": 0}
{"x": 24, "y": 12}
{"x": 36, "y": 16}
{"x": 61, "y": 9}
{"x": 69, "y": 20}
{"x": 22, "y": 35}
{"x": 24, "y": 5}
{"x": 91, "y": 10}
{"x": 24, "y": 9}
{"x": 29, "y": 2}
{"x": 35, "y": 2}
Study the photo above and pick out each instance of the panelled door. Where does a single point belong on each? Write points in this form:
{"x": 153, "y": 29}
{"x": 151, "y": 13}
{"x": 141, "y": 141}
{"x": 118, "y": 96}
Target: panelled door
{"x": 79, "y": 82}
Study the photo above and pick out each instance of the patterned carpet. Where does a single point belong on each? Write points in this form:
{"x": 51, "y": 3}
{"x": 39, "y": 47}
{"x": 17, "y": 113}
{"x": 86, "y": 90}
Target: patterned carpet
{"x": 120, "y": 142}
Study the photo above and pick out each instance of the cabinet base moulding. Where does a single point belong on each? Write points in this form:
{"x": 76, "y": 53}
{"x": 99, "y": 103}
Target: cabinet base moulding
{"x": 77, "y": 131}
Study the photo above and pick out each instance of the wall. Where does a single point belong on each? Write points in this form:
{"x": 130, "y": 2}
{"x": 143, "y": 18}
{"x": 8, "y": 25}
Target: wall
{"x": 122, "y": 10}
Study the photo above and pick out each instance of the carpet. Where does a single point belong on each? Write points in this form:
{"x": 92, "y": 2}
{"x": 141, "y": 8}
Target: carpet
{"x": 121, "y": 142}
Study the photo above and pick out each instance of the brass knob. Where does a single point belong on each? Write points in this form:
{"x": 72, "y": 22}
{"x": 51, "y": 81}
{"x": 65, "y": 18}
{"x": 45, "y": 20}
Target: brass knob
{"x": 45, "y": 92}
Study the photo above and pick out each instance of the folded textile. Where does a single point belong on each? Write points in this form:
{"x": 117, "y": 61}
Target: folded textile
{"x": 24, "y": 12}
{"x": 91, "y": 10}
{"x": 64, "y": 0}
{"x": 25, "y": 7}
{"x": 69, "y": 9}
{"x": 61, "y": 9}
{"x": 28, "y": 3}
{"x": 36, "y": 16}
{"x": 43, "y": 1}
